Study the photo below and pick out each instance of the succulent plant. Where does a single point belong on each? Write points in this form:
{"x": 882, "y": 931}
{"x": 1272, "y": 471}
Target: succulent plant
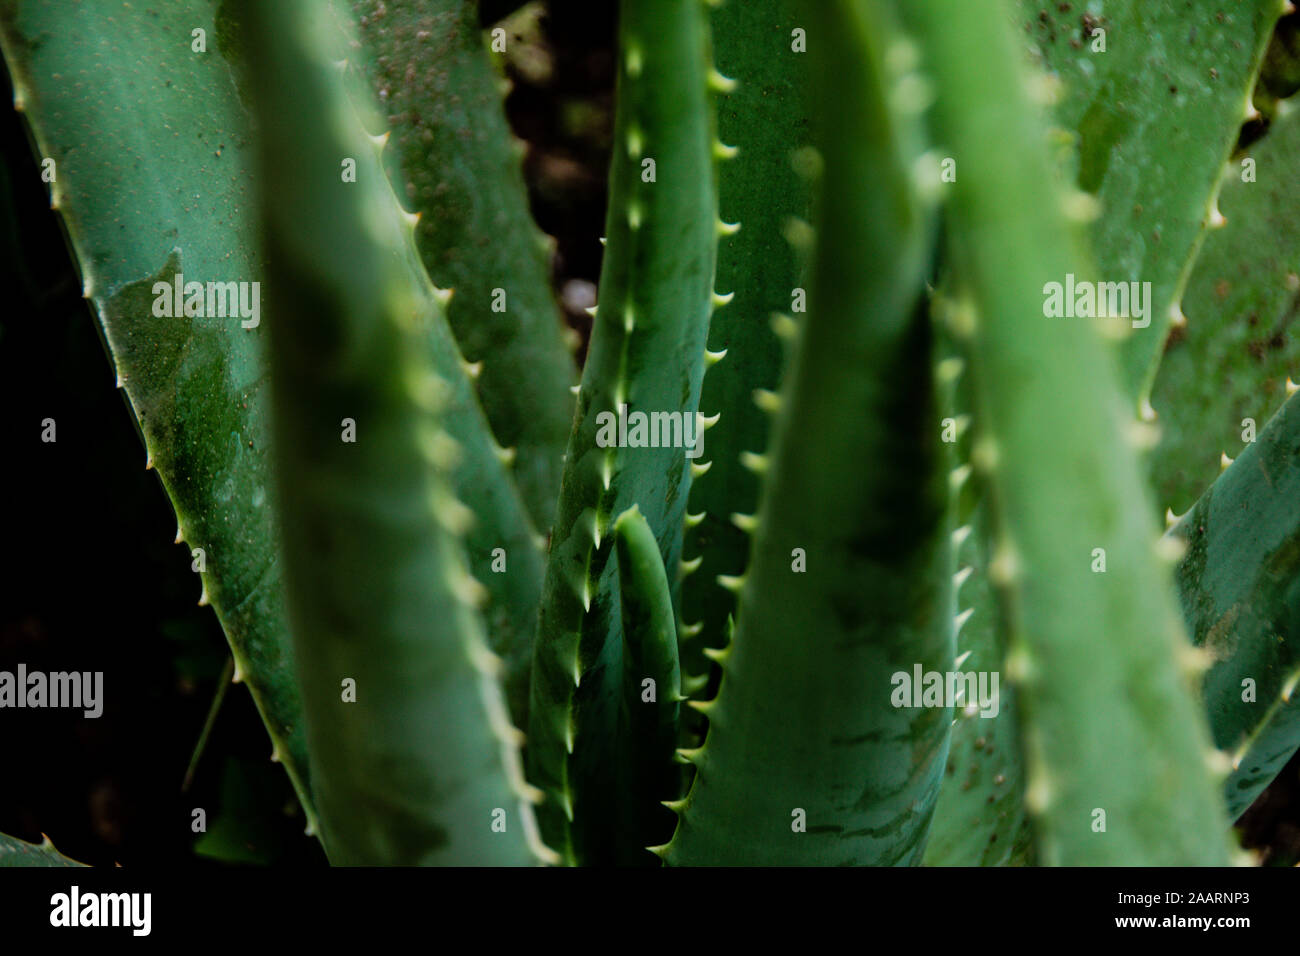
{"x": 842, "y": 548}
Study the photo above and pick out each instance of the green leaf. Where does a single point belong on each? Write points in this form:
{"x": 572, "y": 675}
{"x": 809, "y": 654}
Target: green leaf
{"x": 503, "y": 547}
{"x": 765, "y": 119}
{"x": 150, "y": 147}
{"x": 808, "y": 759}
{"x": 1108, "y": 720}
{"x": 15, "y": 852}
{"x": 1232, "y": 360}
{"x": 647, "y": 352}
{"x": 1153, "y": 118}
{"x": 413, "y": 756}
{"x": 649, "y": 712}
{"x": 460, "y": 170}
{"x": 1240, "y": 588}
{"x": 980, "y": 817}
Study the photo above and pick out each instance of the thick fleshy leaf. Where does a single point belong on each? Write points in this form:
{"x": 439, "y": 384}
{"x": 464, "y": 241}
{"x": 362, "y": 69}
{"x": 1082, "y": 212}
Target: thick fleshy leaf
{"x": 1153, "y": 93}
{"x": 15, "y": 852}
{"x": 440, "y": 96}
{"x": 651, "y": 698}
{"x": 764, "y": 118}
{"x": 811, "y": 758}
{"x": 1240, "y": 588}
{"x": 1242, "y": 342}
{"x": 1117, "y": 754}
{"x": 646, "y": 358}
{"x": 413, "y": 755}
{"x": 149, "y": 195}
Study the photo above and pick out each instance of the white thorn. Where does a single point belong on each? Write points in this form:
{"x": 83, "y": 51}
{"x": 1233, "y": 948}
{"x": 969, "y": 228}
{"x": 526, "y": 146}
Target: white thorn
{"x": 746, "y": 523}
{"x": 723, "y": 152}
{"x": 1081, "y": 207}
{"x": 785, "y": 327}
{"x": 719, "y": 83}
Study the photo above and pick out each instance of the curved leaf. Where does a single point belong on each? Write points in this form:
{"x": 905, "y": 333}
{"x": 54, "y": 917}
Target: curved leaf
{"x": 1155, "y": 115}
{"x": 647, "y": 355}
{"x": 1116, "y": 750}
{"x": 1240, "y": 588}
{"x": 413, "y": 755}
{"x": 809, "y": 759}
{"x": 441, "y": 99}
{"x": 15, "y": 852}
{"x": 148, "y": 194}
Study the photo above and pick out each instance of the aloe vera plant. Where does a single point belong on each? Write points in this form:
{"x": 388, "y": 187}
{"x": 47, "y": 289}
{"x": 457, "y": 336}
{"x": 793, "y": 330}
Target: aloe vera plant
{"x": 841, "y": 548}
